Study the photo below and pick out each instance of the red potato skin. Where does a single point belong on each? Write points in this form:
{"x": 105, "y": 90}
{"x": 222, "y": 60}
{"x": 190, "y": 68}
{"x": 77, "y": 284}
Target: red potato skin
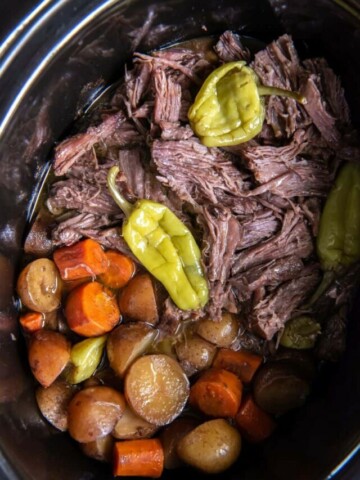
{"x": 49, "y": 353}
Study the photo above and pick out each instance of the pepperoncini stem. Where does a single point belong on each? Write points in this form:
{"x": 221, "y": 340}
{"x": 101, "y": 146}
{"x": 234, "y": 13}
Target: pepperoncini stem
{"x": 264, "y": 90}
{"x": 125, "y": 206}
{"x": 325, "y": 283}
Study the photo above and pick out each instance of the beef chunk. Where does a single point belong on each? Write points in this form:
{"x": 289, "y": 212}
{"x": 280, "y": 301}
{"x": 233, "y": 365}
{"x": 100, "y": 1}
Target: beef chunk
{"x": 294, "y": 238}
{"x": 270, "y": 314}
{"x": 230, "y": 49}
{"x": 221, "y": 236}
{"x": 268, "y": 274}
{"x": 114, "y": 130}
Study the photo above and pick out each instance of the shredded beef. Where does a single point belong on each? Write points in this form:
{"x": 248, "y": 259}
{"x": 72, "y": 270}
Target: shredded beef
{"x": 269, "y": 315}
{"x": 326, "y": 102}
{"x": 304, "y": 178}
{"x": 82, "y": 196}
{"x": 230, "y": 49}
{"x": 73, "y": 228}
{"x": 254, "y": 208}
{"x": 278, "y": 65}
{"x": 221, "y": 236}
{"x": 255, "y": 228}
{"x": 114, "y": 130}
{"x": 268, "y": 274}
{"x": 137, "y": 83}
{"x": 294, "y": 237}
{"x": 268, "y": 162}
{"x": 201, "y": 175}
{"x": 167, "y": 98}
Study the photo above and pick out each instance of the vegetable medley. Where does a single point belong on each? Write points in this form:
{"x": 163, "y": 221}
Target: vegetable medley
{"x": 143, "y": 397}
{"x": 125, "y": 388}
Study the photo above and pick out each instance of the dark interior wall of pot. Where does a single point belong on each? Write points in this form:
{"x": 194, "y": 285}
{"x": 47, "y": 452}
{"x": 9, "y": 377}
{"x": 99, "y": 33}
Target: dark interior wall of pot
{"x": 76, "y": 48}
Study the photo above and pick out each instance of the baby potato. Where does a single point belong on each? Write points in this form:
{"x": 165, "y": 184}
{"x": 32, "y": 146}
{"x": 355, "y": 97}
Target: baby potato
{"x": 212, "y": 447}
{"x": 131, "y": 426}
{"x": 53, "y": 403}
{"x": 279, "y": 387}
{"x": 101, "y": 449}
{"x": 49, "y": 353}
{"x": 222, "y": 333}
{"x": 195, "y": 354}
{"x": 126, "y": 343}
{"x": 137, "y": 301}
{"x": 39, "y": 286}
{"x": 171, "y": 436}
{"x": 94, "y": 412}
{"x": 156, "y": 388}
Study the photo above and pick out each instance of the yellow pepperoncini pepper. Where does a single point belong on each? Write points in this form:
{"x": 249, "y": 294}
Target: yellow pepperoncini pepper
{"x": 164, "y": 246}
{"x": 85, "y": 358}
{"x": 338, "y": 241}
{"x": 228, "y": 109}
{"x": 300, "y": 333}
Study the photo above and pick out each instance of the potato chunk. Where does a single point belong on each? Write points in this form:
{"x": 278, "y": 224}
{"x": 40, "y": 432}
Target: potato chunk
{"x": 131, "y": 426}
{"x": 222, "y": 333}
{"x": 39, "y": 286}
{"x": 156, "y": 388}
{"x": 93, "y": 413}
{"x": 137, "y": 301}
{"x": 212, "y": 447}
{"x": 126, "y": 343}
{"x": 53, "y": 403}
{"x": 49, "y": 353}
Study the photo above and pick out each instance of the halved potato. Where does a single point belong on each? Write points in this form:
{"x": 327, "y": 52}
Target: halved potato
{"x": 126, "y": 343}
{"x": 131, "y": 426}
{"x": 279, "y": 387}
{"x": 222, "y": 333}
{"x": 49, "y": 353}
{"x": 195, "y": 354}
{"x": 171, "y": 436}
{"x": 101, "y": 449}
{"x": 156, "y": 388}
{"x": 94, "y": 412}
{"x": 137, "y": 301}
{"x": 53, "y": 403}
{"x": 39, "y": 286}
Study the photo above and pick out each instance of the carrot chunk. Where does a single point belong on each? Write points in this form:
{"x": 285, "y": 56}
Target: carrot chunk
{"x": 255, "y": 424}
{"x": 83, "y": 259}
{"x": 32, "y": 321}
{"x": 244, "y": 364}
{"x": 217, "y": 393}
{"x": 120, "y": 269}
{"x": 139, "y": 458}
{"x": 91, "y": 310}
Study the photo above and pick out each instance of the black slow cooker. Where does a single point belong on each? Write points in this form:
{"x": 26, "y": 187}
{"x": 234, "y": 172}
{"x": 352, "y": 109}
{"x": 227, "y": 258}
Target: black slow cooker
{"x": 60, "y": 56}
